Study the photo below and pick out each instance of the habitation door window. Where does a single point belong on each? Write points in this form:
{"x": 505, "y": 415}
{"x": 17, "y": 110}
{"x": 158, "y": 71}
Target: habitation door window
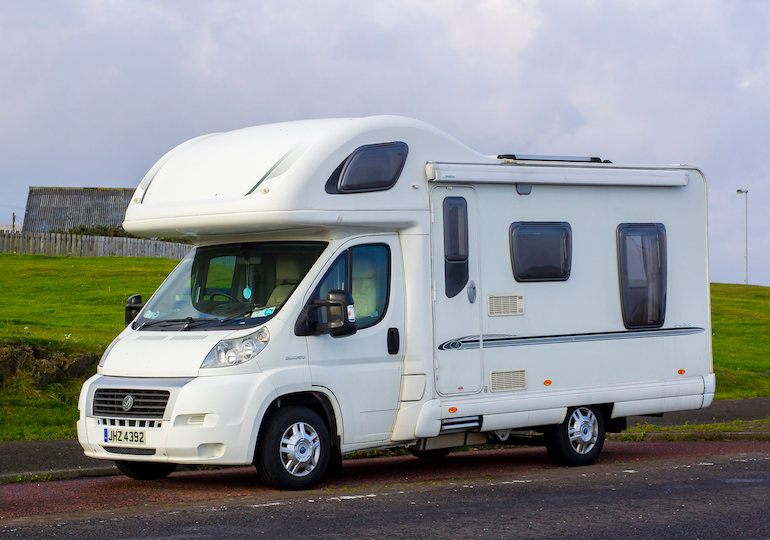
{"x": 642, "y": 267}
{"x": 541, "y": 251}
{"x": 455, "y": 245}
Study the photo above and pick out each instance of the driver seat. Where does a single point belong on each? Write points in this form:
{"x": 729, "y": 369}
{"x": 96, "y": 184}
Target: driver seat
{"x": 287, "y": 276}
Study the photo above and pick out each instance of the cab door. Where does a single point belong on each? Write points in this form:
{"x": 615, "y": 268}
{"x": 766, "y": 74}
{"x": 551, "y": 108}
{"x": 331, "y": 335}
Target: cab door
{"x": 363, "y": 370}
{"x": 456, "y": 306}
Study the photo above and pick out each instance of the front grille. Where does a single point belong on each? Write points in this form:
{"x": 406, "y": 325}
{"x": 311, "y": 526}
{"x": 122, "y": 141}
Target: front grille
{"x": 146, "y": 403}
{"x": 130, "y": 451}
{"x": 122, "y": 422}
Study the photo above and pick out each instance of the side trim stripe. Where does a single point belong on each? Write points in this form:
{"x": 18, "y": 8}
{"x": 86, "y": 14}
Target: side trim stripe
{"x": 503, "y": 340}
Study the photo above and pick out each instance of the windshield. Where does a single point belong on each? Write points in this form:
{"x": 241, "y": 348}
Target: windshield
{"x": 235, "y": 284}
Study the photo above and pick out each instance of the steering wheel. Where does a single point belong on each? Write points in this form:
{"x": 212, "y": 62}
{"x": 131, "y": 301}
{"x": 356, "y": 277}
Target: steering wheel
{"x": 231, "y": 298}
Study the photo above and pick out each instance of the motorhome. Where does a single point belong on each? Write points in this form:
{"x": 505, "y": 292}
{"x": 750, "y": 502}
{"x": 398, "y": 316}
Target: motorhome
{"x": 373, "y": 283}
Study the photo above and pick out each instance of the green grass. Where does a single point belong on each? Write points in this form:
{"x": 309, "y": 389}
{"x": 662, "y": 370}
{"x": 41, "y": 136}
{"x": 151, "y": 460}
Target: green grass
{"x": 740, "y": 319}
{"x": 754, "y": 429}
{"x": 71, "y": 306}
{"x": 28, "y": 413}
{"x": 68, "y": 306}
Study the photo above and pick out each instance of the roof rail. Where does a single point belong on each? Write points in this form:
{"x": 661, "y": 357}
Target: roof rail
{"x": 522, "y": 157}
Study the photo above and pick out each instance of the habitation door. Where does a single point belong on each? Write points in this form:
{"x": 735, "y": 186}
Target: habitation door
{"x": 456, "y": 306}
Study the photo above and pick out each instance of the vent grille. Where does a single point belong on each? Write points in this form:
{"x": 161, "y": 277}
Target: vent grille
{"x": 505, "y": 304}
{"x": 189, "y": 337}
{"x": 125, "y": 450}
{"x": 150, "y": 337}
{"x": 147, "y": 403}
{"x": 460, "y": 424}
{"x": 502, "y": 381}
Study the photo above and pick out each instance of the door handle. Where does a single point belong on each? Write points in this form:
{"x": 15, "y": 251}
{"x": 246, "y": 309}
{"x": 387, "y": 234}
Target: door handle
{"x": 394, "y": 343}
{"x": 471, "y": 292}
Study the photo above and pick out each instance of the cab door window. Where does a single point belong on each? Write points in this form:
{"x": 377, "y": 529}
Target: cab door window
{"x": 363, "y": 271}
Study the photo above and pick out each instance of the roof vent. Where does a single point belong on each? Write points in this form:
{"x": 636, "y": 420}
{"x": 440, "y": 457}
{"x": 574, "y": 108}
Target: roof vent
{"x": 577, "y": 159}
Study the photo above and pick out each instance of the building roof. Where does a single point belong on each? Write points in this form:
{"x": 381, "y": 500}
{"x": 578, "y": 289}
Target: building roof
{"x": 62, "y": 209}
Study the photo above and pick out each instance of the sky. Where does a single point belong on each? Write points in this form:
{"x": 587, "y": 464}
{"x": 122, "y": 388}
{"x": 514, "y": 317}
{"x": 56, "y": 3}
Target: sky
{"x": 93, "y": 92}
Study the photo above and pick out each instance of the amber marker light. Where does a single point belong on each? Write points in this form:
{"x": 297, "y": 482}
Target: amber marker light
{"x": 681, "y": 372}
{"x": 452, "y": 409}
{"x": 547, "y": 382}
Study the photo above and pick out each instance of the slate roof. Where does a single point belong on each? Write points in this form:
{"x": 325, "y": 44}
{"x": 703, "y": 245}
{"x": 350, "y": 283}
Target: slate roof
{"x": 62, "y": 209}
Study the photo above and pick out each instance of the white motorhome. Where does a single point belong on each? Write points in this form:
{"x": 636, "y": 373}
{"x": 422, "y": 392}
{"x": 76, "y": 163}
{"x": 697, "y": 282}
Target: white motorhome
{"x": 373, "y": 283}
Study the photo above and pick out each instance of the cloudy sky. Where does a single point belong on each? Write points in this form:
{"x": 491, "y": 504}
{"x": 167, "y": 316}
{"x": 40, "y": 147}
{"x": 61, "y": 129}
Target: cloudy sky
{"x": 93, "y": 92}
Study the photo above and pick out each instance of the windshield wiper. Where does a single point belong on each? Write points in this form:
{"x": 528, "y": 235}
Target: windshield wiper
{"x": 171, "y": 322}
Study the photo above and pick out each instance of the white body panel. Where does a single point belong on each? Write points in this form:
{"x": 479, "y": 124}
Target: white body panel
{"x": 567, "y": 346}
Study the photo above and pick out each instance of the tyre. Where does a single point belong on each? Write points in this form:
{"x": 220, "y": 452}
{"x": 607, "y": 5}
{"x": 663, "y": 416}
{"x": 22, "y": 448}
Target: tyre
{"x": 579, "y": 439}
{"x": 293, "y": 450}
{"x": 139, "y": 470}
{"x": 438, "y": 453}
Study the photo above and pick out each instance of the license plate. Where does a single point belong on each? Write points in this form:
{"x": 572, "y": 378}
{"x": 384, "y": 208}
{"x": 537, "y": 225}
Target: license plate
{"x": 124, "y": 436}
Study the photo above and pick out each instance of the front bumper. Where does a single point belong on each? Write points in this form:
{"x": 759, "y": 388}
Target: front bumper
{"x": 207, "y": 420}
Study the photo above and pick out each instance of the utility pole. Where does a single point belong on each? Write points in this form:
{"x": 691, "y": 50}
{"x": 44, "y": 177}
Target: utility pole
{"x": 745, "y": 192}
{"x": 13, "y": 226}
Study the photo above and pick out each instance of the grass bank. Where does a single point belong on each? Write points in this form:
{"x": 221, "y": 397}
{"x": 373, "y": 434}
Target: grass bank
{"x": 68, "y": 306}
{"x": 740, "y": 319}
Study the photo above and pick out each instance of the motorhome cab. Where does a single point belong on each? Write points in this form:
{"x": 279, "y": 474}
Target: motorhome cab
{"x": 373, "y": 283}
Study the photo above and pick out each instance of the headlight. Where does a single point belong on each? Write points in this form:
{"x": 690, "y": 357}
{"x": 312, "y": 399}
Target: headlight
{"x": 237, "y": 351}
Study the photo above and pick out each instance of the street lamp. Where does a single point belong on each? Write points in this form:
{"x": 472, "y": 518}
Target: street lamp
{"x": 745, "y": 192}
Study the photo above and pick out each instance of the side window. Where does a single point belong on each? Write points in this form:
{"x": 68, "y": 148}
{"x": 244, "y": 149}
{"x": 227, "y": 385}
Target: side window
{"x": 364, "y": 271}
{"x": 642, "y": 268}
{"x": 455, "y": 245}
{"x": 541, "y": 251}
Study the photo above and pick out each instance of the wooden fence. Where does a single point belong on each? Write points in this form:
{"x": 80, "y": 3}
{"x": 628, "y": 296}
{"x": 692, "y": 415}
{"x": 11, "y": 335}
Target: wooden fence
{"x": 78, "y": 245}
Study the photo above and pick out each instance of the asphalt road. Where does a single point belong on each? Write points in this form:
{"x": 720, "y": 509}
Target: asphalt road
{"x": 638, "y": 490}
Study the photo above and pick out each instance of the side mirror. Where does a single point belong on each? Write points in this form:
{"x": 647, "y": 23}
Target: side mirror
{"x": 341, "y": 315}
{"x": 133, "y": 306}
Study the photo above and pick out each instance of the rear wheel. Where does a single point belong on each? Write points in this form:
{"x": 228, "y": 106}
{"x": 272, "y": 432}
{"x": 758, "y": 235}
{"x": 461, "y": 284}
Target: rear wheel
{"x": 438, "y": 453}
{"x": 293, "y": 450}
{"x": 578, "y": 440}
{"x": 139, "y": 470}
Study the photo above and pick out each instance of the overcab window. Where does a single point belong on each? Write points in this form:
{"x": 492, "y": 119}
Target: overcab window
{"x": 373, "y": 167}
{"x": 541, "y": 251}
{"x": 642, "y": 267}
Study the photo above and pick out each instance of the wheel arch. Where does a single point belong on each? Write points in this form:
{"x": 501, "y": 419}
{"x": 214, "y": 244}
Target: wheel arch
{"x": 320, "y": 403}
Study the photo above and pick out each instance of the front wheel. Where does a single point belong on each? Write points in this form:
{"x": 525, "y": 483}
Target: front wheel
{"x": 577, "y": 441}
{"x": 140, "y": 470}
{"x": 293, "y": 450}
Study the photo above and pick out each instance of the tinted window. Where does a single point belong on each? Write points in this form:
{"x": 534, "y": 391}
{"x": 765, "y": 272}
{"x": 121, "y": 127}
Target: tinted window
{"x": 364, "y": 271}
{"x": 374, "y": 167}
{"x": 642, "y": 267}
{"x": 541, "y": 251}
{"x": 455, "y": 245}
